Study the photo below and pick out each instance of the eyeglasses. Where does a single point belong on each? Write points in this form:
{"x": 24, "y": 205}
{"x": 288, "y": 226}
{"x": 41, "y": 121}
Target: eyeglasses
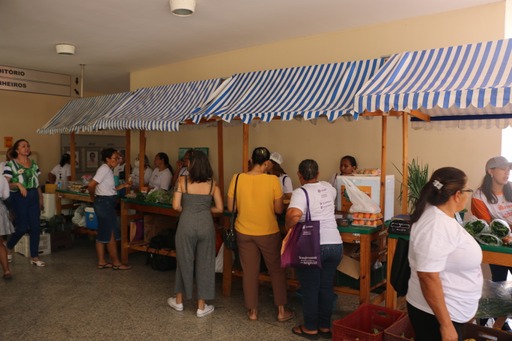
{"x": 467, "y": 190}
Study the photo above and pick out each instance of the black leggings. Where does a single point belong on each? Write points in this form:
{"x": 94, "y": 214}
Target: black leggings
{"x": 426, "y": 327}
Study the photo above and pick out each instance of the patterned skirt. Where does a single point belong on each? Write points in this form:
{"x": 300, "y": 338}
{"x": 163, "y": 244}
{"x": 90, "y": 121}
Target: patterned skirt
{"x": 6, "y": 226}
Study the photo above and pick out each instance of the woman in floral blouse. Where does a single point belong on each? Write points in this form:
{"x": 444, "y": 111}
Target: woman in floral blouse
{"x": 26, "y": 198}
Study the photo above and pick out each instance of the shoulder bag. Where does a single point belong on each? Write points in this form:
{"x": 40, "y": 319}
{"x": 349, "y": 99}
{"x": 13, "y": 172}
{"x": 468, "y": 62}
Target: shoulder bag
{"x": 229, "y": 234}
{"x": 301, "y": 246}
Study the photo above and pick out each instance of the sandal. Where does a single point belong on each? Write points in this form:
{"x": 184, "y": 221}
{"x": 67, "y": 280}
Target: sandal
{"x": 121, "y": 267}
{"x": 7, "y": 276}
{"x": 325, "y": 334}
{"x": 287, "y": 317}
{"x": 298, "y": 330}
{"x": 38, "y": 263}
{"x": 104, "y": 266}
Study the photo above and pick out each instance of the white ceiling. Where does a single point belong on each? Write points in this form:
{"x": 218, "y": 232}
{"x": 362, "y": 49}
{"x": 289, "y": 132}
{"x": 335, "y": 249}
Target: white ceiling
{"x": 114, "y": 37}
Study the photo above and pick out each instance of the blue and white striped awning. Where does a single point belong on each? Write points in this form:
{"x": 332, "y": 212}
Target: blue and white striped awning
{"x": 79, "y": 114}
{"x": 309, "y": 91}
{"x": 160, "y": 108}
{"x": 470, "y": 81}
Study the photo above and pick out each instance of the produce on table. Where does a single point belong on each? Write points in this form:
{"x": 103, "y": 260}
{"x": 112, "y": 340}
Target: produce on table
{"x": 476, "y": 226}
{"x": 160, "y": 196}
{"x": 499, "y": 228}
{"x": 488, "y": 239}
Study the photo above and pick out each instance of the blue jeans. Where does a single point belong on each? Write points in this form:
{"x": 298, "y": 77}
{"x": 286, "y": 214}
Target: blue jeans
{"x": 317, "y": 288}
{"x": 26, "y": 219}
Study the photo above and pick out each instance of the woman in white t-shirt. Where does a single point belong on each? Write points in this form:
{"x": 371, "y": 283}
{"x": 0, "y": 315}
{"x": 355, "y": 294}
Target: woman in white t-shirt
{"x": 446, "y": 278}
{"x": 103, "y": 192}
{"x": 136, "y": 170}
{"x": 162, "y": 174}
{"x": 62, "y": 171}
{"x": 493, "y": 200}
{"x": 316, "y": 284}
{"x": 286, "y": 183}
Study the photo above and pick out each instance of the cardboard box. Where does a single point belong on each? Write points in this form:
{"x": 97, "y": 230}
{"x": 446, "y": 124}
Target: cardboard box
{"x": 23, "y": 245}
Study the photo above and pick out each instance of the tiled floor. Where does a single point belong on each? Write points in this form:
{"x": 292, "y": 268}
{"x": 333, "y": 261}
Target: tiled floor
{"x": 71, "y": 300}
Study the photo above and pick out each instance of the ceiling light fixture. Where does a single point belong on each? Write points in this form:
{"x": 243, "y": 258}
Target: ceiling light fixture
{"x": 182, "y": 8}
{"x": 65, "y": 49}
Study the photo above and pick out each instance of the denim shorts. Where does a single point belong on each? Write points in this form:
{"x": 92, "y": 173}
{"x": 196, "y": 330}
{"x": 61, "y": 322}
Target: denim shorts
{"x": 105, "y": 210}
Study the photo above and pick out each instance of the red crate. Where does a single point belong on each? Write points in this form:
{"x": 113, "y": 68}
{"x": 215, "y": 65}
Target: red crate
{"x": 361, "y": 324}
{"x": 401, "y": 330}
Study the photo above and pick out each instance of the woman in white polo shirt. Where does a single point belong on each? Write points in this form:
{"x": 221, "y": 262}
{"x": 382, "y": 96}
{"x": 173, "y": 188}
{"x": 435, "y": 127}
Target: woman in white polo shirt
{"x": 103, "y": 193}
{"x": 446, "y": 278}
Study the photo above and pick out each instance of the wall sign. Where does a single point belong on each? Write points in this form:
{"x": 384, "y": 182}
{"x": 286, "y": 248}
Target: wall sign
{"x": 26, "y": 80}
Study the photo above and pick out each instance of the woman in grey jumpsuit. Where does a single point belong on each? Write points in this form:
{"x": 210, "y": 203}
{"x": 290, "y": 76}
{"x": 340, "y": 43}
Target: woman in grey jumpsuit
{"x": 195, "y": 237}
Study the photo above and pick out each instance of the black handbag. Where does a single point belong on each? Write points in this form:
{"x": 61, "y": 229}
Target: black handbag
{"x": 400, "y": 268}
{"x": 229, "y": 234}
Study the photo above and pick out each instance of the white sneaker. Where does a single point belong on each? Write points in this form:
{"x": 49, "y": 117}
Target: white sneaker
{"x": 208, "y": 309}
{"x": 172, "y": 303}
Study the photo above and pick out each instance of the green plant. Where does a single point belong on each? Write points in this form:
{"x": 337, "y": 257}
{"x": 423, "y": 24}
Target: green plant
{"x": 417, "y": 178}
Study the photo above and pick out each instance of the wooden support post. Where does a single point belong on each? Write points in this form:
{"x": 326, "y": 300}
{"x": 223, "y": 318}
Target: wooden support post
{"x": 245, "y": 151}
{"x": 142, "y": 151}
{"x": 220, "y": 152}
{"x": 72, "y": 149}
{"x": 405, "y": 158}
{"x": 383, "y": 164}
{"x": 127, "y": 158}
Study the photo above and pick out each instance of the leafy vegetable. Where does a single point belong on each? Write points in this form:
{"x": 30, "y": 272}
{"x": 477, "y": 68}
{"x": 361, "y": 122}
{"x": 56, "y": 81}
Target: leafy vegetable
{"x": 499, "y": 228}
{"x": 159, "y": 196}
{"x": 475, "y": 227}
{"x": 488, "y": 239}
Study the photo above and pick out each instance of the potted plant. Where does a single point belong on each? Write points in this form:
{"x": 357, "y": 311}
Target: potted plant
{"x": 418, "y": 177}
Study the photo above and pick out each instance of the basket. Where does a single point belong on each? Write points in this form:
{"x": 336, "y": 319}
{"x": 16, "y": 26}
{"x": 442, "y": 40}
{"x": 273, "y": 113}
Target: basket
{"x": 366, "y": 323}
{"x": 401, "y": 330}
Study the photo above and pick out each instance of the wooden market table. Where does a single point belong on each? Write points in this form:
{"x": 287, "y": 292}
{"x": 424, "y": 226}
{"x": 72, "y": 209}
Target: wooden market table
{"x": 71, "y": 195}
{"x": 140, "y": 207}
{"x": 499, "y": 255}
{"x": 349, "y": 234}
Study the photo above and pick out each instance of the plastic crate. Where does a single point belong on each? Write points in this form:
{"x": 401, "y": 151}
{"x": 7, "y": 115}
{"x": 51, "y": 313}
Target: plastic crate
{"x": 23, "y": 245}
{"x": 400, "y": 330}
{"x": 481, "y": 333}
{"x": 363, "y": 322}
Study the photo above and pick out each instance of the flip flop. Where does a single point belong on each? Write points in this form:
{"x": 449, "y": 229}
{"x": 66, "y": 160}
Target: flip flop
{"x": 287, "y": 318}
{"x": 121, "y": 267}
{"x": 104, "y": 266}
{"x": 300, "y": 332}
{"x": 7, "y": 276}
{"x": 325, "y": 335}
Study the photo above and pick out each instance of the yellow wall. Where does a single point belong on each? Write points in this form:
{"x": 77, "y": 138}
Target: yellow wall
{"x": 22, "y": 114}
{"x": 327, "y": 142}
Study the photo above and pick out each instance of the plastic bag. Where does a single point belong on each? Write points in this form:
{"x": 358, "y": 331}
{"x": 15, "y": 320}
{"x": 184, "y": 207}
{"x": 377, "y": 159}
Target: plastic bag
{"x": 79, "y": 216}
{"x": 496, "y": 299}
{"x": 360, "y": 201}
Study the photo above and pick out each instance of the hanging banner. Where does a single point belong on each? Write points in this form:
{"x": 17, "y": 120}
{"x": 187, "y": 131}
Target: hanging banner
{"x": 26, "y": 80}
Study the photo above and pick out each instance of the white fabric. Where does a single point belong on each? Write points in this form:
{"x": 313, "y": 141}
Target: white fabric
{"x": 160, "y": 179}
{"x": 332, "y": 180}
{"x": 105, "y": 178}
{"x": 286, "y": 183}
{"x": 4, "y": 188}
{"x": 63, "y": 171}
{"x": 321, "y": 205}
{"x": 118, "y": 169}
{"x": 183, "y": 171}
{"x": 2, "y": 166}
{"x": 135, "y": 176}
{"x": 438, "y": 243}
{"x": 501, "y": 210}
